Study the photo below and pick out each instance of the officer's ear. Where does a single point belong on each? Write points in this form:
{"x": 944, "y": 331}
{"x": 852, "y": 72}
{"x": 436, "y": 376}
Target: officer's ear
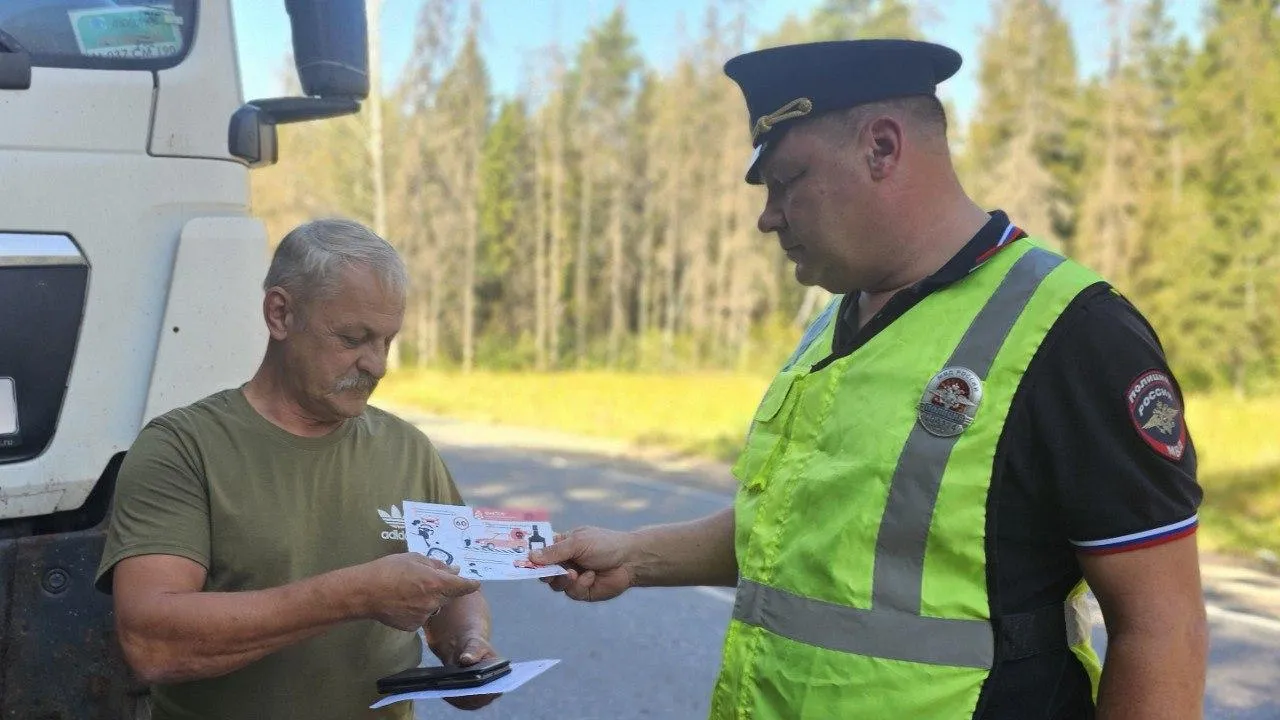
{"x": 883, "y": 146}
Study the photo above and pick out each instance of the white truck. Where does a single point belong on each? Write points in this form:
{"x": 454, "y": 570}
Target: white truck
{"x": 129, "y": 284}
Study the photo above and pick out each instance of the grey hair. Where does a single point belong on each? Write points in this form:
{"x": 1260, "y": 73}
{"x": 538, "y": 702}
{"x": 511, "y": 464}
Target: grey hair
{"x": 309, "y": 261}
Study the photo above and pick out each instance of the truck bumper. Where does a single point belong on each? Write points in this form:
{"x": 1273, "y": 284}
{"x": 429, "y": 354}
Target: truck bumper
{"x": 59, "y": 658}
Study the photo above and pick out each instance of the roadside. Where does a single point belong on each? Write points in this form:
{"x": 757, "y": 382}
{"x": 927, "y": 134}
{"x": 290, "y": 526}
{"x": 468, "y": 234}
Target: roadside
{"x": 1236, "y": 588}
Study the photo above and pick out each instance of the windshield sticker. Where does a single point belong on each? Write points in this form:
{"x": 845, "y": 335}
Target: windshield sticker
{"x": 133, "y": 33}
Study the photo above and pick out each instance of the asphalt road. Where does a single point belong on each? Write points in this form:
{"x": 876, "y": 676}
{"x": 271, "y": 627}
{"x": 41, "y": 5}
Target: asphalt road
{"x": 653, "y": 653}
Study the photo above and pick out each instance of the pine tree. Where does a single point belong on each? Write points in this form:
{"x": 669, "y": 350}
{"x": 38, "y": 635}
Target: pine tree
{"x": 604, "y": 85}
{"x": 1018, "y": 145}
{"x": 1232, "y": 112}
{"x": 505, "y": 281}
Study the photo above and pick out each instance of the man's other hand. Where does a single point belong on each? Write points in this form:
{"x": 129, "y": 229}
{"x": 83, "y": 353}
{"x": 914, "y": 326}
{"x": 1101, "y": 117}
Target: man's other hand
{"x": 403, "y": 591}
{"x": 598, "y": 562}
{"x": 469, "y": 651}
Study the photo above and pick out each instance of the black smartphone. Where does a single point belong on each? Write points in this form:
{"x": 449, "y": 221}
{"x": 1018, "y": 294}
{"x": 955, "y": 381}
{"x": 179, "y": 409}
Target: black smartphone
{"x": 447, "y": 677}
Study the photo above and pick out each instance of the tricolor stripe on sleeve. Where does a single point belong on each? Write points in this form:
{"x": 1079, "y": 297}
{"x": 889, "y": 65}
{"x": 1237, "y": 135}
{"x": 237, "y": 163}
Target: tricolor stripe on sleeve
{"x": 1146, "y": 538}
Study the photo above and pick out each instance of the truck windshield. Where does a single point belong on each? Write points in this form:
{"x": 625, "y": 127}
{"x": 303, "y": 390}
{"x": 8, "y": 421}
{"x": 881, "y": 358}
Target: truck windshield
{"x": 99, "y": 34}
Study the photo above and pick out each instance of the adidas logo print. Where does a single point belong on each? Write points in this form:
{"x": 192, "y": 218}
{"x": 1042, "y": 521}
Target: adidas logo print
{"x": 393, "y": 518}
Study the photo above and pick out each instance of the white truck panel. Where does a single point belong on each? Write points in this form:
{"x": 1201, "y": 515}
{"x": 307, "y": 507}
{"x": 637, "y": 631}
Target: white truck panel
{"x": 68, "y": 110}
{"x": 127, "y": 212}
{"x": 213, "y": 332}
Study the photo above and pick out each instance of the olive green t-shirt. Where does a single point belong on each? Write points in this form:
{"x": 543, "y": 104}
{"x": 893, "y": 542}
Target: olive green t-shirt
{"x": 259, "y": 507}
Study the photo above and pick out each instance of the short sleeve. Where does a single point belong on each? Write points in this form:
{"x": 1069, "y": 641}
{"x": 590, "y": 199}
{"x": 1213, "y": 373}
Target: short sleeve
{"x": 161, "y": 503}
{"x": 439, "y": 481}
{"x": 1108, "y": 431}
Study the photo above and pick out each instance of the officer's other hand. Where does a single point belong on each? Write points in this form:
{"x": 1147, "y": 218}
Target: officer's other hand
{"x": 402, "y": 591}
{"x": 597, "y": 561}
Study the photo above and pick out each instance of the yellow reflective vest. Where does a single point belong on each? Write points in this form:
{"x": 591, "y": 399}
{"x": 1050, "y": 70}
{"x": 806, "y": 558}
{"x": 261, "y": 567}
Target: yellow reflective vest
{"x": 861, "y": 515}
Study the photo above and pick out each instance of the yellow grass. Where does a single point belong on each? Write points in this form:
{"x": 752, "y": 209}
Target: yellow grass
{"x": 702, "y": 413}
{"x": 1238, "y": 445}
{"x": 1238, "y": 442}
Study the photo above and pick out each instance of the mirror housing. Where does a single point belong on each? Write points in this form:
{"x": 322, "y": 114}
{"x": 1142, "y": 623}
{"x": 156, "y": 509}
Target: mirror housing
{"x": 330, "y": 47}
{"x": 331, "y": 51}
{"x": 252, "y": 137}
{"x": 253, "y": 126}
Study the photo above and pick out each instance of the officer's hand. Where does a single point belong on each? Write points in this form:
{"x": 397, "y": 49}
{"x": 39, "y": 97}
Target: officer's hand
{"x": 597, "y": 560}
{"x": 403, "y": 591}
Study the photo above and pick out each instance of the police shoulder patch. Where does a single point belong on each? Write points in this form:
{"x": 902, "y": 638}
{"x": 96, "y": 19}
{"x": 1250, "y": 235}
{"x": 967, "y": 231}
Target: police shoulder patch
{"x": 1157, "y": 414}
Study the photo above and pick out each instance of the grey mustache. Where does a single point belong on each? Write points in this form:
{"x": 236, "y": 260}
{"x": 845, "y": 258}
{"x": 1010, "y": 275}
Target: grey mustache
{"x": 362, "y": 381}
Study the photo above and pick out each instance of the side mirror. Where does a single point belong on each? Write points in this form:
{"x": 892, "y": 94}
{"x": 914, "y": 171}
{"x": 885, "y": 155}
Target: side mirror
{"x": 252, "y": 136}
{"x": 331, "y": 50}
{"x": 331, "y": 47}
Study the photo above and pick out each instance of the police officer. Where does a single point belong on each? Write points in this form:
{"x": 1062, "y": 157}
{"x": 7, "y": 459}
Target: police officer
{"x": 973, "y": 429}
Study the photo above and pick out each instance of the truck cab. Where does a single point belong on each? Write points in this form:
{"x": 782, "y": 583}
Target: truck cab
{"x": 130, "y": 271}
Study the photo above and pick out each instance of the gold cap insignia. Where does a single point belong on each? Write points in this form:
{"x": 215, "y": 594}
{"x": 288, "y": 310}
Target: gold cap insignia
{"x": 794, "y": 109}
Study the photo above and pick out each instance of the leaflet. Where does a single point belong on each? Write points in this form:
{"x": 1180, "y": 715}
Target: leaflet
{"x": 485, "y": 543}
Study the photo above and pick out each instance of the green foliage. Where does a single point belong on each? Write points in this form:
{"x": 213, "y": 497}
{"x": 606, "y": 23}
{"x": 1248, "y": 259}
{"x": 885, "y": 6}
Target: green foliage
{"x": 506, "y": 187}
{"x": 1208, "y": 229}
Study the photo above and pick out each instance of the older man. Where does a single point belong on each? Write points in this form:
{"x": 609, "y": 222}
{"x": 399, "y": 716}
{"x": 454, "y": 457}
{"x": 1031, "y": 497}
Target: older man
{"x": 255, "y": 562}
{"x": 973, "y": 426}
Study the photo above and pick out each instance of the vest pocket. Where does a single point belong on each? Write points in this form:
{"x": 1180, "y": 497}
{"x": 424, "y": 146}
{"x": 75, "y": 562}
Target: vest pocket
{"x": 765, "y": 434}
{"x": 773, "y": 398}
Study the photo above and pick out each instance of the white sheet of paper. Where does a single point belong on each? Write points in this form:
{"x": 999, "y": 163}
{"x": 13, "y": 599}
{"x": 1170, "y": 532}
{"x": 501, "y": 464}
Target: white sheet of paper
{"x": 484, "y": 544}
{"x": 521, "y": 673}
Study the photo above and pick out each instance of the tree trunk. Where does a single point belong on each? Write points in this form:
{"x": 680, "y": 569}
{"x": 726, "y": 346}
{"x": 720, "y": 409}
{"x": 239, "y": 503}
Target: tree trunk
{"x": 645, "y": 310}
{"x": 373, "y": 10}
{"x": 540, "y": 279}
{"x": 581, "y": 260}
{"x": 437, "y": 304}
{"x": 616, "y": 319}
{"x": 671, "y": 307}
{"x": 422, "y": 329}
{"x": 555, "y": 272}
{"x": 471, "y": 232}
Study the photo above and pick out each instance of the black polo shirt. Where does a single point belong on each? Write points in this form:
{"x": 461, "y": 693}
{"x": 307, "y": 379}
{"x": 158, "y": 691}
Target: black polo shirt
{"x": 1094, "y": 458}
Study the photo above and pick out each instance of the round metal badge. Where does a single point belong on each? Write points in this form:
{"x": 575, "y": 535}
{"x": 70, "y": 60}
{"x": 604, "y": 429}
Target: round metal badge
{"x": 950, "y": 400}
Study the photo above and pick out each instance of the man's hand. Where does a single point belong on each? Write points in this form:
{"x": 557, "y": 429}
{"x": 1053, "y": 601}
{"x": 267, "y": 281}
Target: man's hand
{"x": 403, "y": 591}
{"x": 459, "y": 635}
{"x": 597, "y": 561}
{"x": 468, "y": 650}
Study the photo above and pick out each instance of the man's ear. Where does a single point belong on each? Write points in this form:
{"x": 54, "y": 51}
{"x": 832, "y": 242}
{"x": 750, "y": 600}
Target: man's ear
{"x": 279, "y": 312}
{"x": 884, "y": 146}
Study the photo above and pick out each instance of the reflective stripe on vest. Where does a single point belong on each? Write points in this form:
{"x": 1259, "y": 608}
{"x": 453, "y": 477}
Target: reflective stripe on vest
{"x": 877, "y": 633}
{"x": 894, "y": 627}
{"x": 905, "y": 525}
